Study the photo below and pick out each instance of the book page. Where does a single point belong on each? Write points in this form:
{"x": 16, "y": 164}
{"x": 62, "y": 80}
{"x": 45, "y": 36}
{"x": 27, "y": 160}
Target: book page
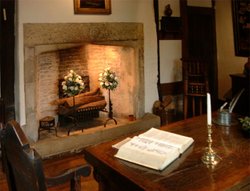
{"x": 148, "y": 153}
{"x": 176, "y": 140}
{"x": 169, "y": 168}
{"x": 118, "y": 145}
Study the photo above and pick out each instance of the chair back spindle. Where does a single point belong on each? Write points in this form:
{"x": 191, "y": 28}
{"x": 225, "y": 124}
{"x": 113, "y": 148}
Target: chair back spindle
{"x": 195, "y": 84}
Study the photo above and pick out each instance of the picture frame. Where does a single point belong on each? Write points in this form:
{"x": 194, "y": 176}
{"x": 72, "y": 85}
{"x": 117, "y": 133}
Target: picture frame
{"x": 241, "y": 27}
{"x": 92, "y": 7}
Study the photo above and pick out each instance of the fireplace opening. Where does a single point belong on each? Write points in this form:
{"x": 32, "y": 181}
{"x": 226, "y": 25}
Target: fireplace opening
{"x": 87, "y": 60}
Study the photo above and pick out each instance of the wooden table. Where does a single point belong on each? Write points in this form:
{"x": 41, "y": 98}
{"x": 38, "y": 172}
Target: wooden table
{"x": 186, "y": 173}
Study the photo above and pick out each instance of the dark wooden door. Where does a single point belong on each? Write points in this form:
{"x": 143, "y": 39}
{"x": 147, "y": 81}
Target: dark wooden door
{"x": 201, "y": 41}
{"x": 7, "y": 58}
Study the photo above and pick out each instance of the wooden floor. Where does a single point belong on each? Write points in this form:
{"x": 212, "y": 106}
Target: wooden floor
{"x": 53, "y": 166}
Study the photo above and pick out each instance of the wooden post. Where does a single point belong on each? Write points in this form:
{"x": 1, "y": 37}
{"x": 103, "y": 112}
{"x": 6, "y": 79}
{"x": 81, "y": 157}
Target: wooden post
{"x": 247, "y": 71}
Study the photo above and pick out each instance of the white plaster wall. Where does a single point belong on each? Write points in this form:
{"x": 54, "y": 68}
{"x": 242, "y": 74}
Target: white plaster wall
{"x": 228, "y": 63}
{"x": 171, "y": 66}
{"x": 62, "y": 11}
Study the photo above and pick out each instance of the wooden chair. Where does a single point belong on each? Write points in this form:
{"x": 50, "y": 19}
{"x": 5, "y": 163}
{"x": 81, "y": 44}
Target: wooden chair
{"x": 23, "y": 165}
{"x": 195, "y": 85}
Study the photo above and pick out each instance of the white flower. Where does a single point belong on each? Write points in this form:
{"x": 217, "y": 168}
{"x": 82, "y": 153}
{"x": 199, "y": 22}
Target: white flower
{"x": 64, "y": 87}
{"x": 72, "y": 84}
{"x": 108, "y": 79}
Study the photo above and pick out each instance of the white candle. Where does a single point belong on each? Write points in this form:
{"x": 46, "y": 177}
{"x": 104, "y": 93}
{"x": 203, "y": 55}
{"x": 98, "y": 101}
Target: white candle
{"x": 209, "y": 112}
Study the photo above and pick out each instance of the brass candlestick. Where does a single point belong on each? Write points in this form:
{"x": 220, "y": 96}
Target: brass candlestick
{"x": 210, "y": 157}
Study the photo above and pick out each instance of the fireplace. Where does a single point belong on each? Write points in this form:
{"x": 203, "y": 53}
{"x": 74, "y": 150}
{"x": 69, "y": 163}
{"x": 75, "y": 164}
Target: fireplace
{"x": 51, "y": 50}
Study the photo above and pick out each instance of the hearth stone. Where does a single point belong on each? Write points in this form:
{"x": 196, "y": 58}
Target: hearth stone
{"x": 78, "y": 140}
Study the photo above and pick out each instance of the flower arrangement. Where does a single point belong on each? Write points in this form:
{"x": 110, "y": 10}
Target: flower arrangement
{"x": 72, "y": 84}
{"x": 108, "y": 79}
{"x": 245, "y": 122}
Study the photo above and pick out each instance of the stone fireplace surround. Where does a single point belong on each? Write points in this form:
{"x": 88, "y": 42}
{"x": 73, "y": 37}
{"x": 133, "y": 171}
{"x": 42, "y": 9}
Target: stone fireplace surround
{"x": 40, "y": 38}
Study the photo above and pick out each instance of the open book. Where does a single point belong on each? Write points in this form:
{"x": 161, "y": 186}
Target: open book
{"x": 154, "y": 149}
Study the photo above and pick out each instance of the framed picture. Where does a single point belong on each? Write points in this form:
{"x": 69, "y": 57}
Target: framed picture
{"x": 241, "y": 24}
{"x": 92, "y": 6}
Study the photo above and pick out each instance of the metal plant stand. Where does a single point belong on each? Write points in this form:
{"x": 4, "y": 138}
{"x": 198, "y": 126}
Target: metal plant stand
{"x": 110, "y": 114}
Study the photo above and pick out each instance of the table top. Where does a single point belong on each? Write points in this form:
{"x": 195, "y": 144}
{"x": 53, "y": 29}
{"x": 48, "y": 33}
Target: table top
{"x": 188, "y": 172}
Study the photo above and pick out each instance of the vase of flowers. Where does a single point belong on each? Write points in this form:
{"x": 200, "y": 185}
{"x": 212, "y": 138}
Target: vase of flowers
{"x": 72, "y": 84}
{"x": 108, "y": 80}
